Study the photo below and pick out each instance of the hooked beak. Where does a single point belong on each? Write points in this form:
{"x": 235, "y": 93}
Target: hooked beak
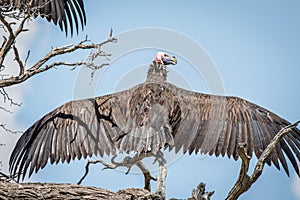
{"x": 169, "y": 60}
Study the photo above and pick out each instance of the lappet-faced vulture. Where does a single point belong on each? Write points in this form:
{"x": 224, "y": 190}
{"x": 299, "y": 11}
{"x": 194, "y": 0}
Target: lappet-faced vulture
{"x": 62, "y": 12}
{"x": 149, "y": 117}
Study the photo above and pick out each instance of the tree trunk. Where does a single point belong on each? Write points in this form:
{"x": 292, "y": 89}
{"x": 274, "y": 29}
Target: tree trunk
{"x": 67, "y": 191}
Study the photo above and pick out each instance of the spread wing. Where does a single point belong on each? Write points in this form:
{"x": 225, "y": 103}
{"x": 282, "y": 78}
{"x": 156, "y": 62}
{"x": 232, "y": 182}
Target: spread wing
{"x": 61, "y": 12}
{"x": 135, "y": 120}
{"x": 149, "y": 117}
{"x": 217, "y": 124}
{"x": 75, "y": 129}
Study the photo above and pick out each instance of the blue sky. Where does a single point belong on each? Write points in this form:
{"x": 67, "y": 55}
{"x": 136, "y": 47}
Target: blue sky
{"x": 254, "y": 47}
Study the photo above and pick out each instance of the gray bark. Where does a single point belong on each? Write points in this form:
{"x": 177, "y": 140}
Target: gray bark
{"x": 67, "y": 191}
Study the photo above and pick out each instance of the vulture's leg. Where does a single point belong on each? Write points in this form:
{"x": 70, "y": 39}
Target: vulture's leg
{"x": 162, "y": 174}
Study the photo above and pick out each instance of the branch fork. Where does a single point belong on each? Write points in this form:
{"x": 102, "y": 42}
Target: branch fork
{"x": 127, "y": 162}
{"x": 245, "y": 181}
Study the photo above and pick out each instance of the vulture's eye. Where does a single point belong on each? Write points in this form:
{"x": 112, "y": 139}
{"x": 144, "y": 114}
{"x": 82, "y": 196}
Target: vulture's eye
{"x": 166, "y": 55}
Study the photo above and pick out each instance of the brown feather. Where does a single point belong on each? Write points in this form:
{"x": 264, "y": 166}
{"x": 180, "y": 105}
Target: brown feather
{"x": 150, "y": 117}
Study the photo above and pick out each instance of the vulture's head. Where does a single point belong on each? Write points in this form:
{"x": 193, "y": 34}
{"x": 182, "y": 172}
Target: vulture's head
{"x": 165, "y": 59}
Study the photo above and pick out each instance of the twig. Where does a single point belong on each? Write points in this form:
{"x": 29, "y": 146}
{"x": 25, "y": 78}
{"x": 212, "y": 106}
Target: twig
{"x": 3, "y": 126}
{"x": 12, "y": 35}
{"x": 127, "y": 162}
{"x": 6, "y": 97}
{"x": 37, "y": 67}
{"x": 4, "y": 177}
{"x": 9, "y": 42}
{"x": 87, "y": 169}
{"x": 26, "y": 59}
{"x": 5, "y": 110}
{"x": 147, "y": 175}
{"x": 261, "y": 161}
{"x": 245, "y": 181}
{"x": 19, "y": 61}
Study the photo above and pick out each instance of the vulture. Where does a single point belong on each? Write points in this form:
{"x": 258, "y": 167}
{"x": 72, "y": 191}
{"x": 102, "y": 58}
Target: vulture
{"x": 64, "y": 13}
{"x": 150, "y": 117}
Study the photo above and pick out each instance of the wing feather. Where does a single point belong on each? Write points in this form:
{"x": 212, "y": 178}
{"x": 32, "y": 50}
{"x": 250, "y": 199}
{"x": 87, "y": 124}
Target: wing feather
{"x": 61, "y": 12}
{"x": 71, "y": 146}
{"x": 147, "y": 118}
{"x": 76, "y": 129}
{"x": 224, "y": 122}
{"x": 291, "y": 157}
{"x": 232, "y": 142}
{"x": 226, "y": 138}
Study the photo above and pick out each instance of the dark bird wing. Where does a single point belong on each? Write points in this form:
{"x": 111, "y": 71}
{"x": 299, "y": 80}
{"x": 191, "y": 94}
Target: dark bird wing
{"x": 135, "y": 120}
{"x": 147, "y": 118}
{"x": 217, "y": 124}
{"x": 61, "y": 12}
{"x": 75, "y": 129}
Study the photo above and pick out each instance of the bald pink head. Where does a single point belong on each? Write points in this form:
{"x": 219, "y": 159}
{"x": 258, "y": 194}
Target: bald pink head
{"x": 158, "y": 57}
{"x": 163, "y": 58}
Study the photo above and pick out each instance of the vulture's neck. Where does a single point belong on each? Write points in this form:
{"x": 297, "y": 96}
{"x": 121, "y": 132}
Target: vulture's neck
{"x": 157, "y": 73}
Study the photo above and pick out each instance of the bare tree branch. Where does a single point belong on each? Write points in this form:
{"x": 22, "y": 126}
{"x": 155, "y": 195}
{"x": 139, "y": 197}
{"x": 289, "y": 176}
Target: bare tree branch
{"x": 7, "y": 98}
{"x": 19, "y": 61}
{"x": 13, "y": 25}
{"x": 5, "y": 110}
{"x": 8, "y": 42}
{"x": 3, "y": 177}
{"x": 200, "y": 194}
{"x": 38, "y": 66}
{"x": 67, "y": 191}
{"x": 147, "y": 175}
{"x": 3, "y": 126}
{"x": 245, "y": 181}
{"x": 127, "y": 162}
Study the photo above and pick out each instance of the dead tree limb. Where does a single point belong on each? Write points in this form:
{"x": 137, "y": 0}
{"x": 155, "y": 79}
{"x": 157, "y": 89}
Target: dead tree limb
{"x": 127, "y": 162}
{"x": 199, "y": 193}
{"x": 67, "y": 191}
{"x": 39, "y": 67}
{"x": 11, "y": 39}
{"x": 245, "y": 181}
{"x": 12, "y": 24}
{"x": 3, "y": 126}
{"x": 12, "y": 191}
{"x": 147, "y": 175}
{"x": 162, "y": 174}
